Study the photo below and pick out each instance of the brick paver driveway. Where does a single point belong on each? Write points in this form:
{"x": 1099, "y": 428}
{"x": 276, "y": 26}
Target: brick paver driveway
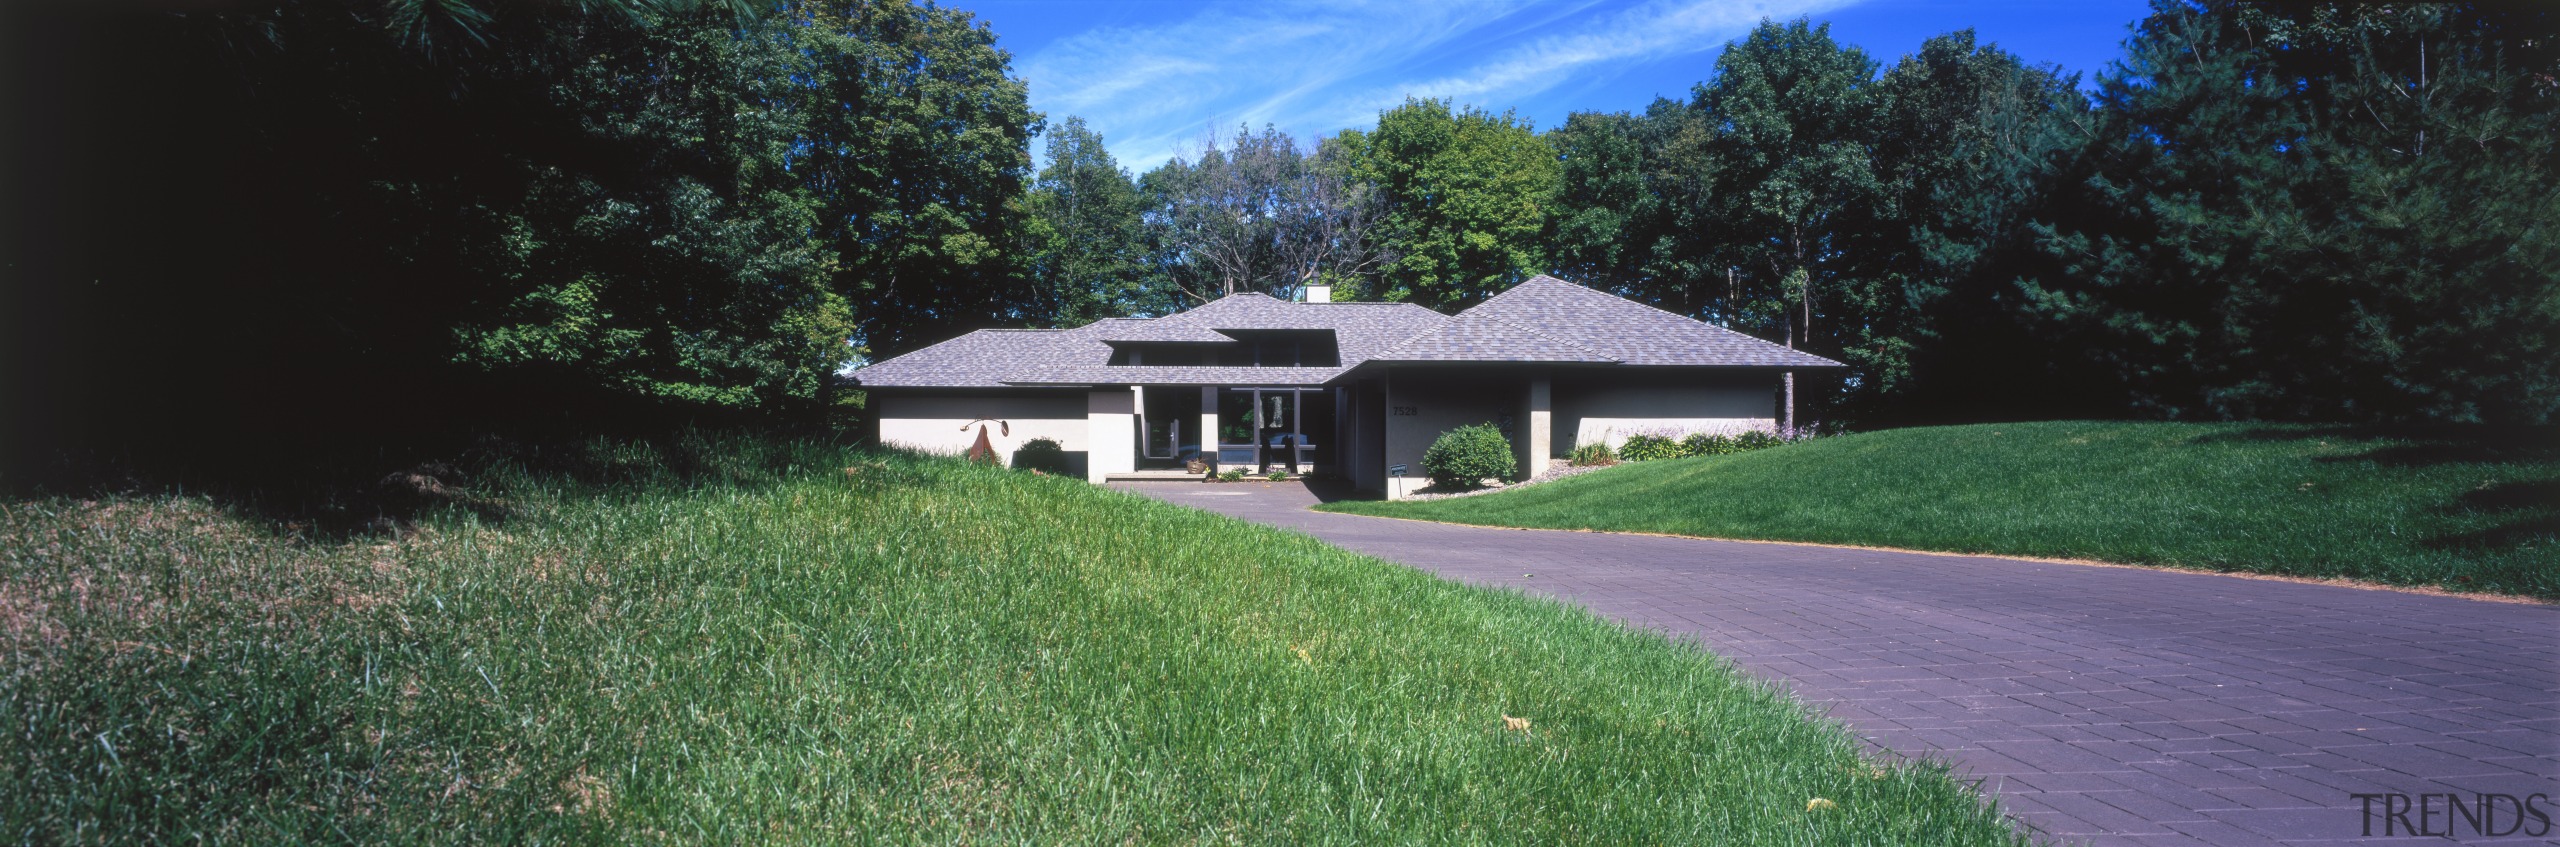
{"x": 2114, "y": 705}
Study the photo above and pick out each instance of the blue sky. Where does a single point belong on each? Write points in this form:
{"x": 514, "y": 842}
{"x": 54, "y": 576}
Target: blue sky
{"x": 1156, "y": 77}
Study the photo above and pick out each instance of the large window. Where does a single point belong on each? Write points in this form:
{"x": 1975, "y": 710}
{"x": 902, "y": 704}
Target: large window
{"x": 1269, "y": 427}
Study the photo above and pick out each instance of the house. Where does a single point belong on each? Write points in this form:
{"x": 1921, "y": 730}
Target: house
{"x": 1355, "y": 389}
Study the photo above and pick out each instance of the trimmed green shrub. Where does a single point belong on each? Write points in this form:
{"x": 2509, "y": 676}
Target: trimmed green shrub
{"x": 1464, "y": 457}
{"x": 1045, "y": 455}
{"x": 1231, "y": 475}
{"x": 1593, "y": 455}
{"x": 1277, "y": 476}
{"x": 1646, "y": 448}
{"x": 1708, "y": 444}
{"x": 1753, "y": 439}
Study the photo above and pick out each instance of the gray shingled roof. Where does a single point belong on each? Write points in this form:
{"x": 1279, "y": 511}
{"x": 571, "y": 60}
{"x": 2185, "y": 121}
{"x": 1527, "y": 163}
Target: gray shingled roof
{"x": 1542, "y": 320}
{"x": 1630, "y": 332}
{"x": 1472, "y": 337}
{"x": 1362, "y": 328}
{"x": 989, "y": 358}
{"x": 1178, "y": 375}
{"x": 1360, "y": 332}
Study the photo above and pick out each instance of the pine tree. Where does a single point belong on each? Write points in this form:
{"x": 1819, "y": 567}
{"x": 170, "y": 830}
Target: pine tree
{"x": 2330, "y": 212}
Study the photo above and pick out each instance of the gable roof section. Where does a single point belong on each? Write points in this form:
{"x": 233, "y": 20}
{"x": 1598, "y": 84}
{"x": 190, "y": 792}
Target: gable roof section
{"x": 1630, "y": 332}
{"x": 989, "y": 358}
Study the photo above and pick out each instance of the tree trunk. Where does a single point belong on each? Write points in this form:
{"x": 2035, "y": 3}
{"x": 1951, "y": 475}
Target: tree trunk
{"x": 1787, "y": 412}
{"x": 1787, "y": 423}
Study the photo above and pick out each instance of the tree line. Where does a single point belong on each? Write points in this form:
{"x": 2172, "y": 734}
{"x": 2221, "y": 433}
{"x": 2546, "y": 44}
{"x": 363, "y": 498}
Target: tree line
{"x": 235, "y": 228}
{"x": 2262, "y": 211}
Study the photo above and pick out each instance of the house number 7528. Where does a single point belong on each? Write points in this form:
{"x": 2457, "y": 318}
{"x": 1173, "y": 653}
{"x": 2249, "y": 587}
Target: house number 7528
{"x": 1401, "y": 411}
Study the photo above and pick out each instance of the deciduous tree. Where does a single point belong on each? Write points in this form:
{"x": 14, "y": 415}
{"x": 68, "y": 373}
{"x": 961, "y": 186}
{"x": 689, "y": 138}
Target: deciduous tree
{"x": 1795, "y": 114}
{"x": 1087, "y": 239}
{"x": 1465, "y": 194}
{"x": 1254, "y": 213}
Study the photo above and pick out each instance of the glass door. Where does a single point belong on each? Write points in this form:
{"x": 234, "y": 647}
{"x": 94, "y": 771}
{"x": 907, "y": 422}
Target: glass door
{"x": 1280, "y": 434}
{"x": 1238, "y": 420}
{"x": 1265, "y": 429}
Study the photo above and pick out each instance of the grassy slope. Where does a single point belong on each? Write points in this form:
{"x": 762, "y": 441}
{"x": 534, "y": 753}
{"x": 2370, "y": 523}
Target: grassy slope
{"x": 913, "y": 651}
{"x": 2299, "y": 500}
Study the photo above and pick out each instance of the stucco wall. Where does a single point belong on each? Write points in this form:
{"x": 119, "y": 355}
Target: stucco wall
{"x": 1111, "y": 432}
{"x": 1611, "y": 409}
{"x": 1422, "y": 404}
{"x": 933, "y": 423}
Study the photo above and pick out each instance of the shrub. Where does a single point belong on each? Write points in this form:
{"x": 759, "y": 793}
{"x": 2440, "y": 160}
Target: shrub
{"x": 1231, "y": 475}
{"x": 1646, "y": 448}
{"x": 1045, "y": 455}
{"x": 1708, "y": 444}
{"x": 1594, "y": 455}
{"x": 1755, "y": 439}
{"x": 1277, "y": 476}
{"x": 1464, "y": 457}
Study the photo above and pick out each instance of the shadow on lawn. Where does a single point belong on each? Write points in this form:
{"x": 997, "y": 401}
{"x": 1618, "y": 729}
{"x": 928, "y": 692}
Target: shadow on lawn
{"x": 343, "y": 496}
{"x": 2412, "y": 446}
{"x": 2529, "y": 513}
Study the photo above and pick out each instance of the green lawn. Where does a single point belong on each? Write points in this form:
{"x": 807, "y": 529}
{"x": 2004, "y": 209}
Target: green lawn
{"x": 802, "y": 644}
{"x": 2469, "y": 515}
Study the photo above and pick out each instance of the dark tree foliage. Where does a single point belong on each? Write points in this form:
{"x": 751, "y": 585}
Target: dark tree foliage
{"x": 1611, "y": 212}
{"x": 1634, "y": 212}
{"x": 2335, "y": 212}
{"x": 1968, "y": 139}
{"x": 1796, "y": 125}
{"x": 253, "y": 236}
{"x": 1765, "y": 204}
{"x": 919, "y": 156}
{"x": 2298, "y": 211}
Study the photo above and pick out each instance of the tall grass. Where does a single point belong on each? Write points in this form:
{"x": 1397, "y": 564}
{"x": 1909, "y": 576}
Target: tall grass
{"x": 801, "y": 644}
{"x": 2460, "y": 513}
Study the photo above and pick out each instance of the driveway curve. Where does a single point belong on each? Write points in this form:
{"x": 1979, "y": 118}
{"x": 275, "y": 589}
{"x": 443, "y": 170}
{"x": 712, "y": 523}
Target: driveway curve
{"x": 2099, "y": 704}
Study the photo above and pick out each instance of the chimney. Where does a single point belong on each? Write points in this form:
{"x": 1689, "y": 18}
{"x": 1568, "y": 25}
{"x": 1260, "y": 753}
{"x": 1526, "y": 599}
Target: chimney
{"x": 1319, "y": 293}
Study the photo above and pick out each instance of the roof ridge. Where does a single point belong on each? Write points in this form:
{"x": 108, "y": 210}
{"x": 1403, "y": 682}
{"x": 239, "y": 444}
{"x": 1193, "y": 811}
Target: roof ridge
{"x": 1590, "y": 290}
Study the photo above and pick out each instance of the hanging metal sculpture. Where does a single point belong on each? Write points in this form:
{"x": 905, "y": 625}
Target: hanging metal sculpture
{"x": 984, "y": 451}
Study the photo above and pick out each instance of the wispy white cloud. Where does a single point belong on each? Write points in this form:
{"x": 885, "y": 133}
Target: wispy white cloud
{"x": 1150, "y": 90}
{"x": 1650, "y": 33}
{"x": 1315, "y": 67}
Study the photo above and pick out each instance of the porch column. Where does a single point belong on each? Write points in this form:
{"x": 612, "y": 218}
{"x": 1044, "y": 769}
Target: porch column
{"x": 1209, "y": 424}
{"x": 1111, "y": 432}
{"x": 1538, "y": 429}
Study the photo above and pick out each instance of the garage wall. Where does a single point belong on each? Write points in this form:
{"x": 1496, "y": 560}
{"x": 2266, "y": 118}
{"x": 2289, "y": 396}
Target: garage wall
{"x": 1422, "y": 404}
{"x": 933, "y": 423}
{"x": 1621, "y": 405}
